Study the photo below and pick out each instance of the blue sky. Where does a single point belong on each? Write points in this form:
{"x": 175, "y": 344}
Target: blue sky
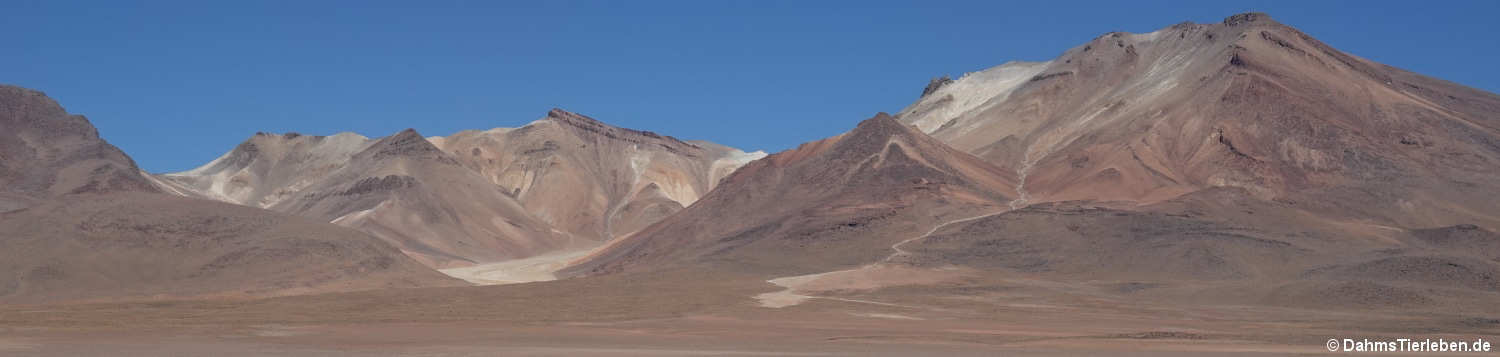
{"x": 176, "y": 84}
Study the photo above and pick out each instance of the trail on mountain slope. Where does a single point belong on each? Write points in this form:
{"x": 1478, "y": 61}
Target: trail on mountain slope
{"x": 1021, "y": 195}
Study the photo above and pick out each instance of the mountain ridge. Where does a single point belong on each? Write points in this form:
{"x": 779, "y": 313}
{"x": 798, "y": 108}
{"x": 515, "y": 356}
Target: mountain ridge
{"x": 880, "y": 177}
{"x": 50, "y": 152}
{"x": 612, "y": 180}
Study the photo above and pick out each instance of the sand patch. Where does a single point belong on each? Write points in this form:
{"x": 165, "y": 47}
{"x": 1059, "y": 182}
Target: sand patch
{"x": 869, "y": 277}
{"x": 886, "y": 316}
{"x": 538, "y": 268}
{"x": 10, "y": 344}
{"x": 279, "y": 331}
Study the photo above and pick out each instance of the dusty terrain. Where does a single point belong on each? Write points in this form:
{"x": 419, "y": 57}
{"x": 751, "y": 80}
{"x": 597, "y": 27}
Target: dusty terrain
{"x": 707, "y": 313}
{"x": 145, "y": 245}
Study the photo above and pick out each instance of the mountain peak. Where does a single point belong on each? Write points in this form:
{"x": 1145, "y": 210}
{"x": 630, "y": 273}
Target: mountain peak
{"x": 585, "y": 125}
{"x": 27, "y": 107}
{"x": 563, "y": 114}
{"x": 406, "y": 143}
{"x": 881, "y": 118}
{"x": 935, "y": 84}
{"x": 290, "y": 135}
{"x": 1248, "y": 17}
{"x": 45, "y": 151}
{"x": 881, "y": 125}
{"x": 251, "y": 148}
{"x": 408, "y": 132}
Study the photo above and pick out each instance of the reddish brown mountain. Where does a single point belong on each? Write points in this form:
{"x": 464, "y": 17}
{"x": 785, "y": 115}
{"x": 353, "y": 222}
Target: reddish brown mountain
{"x": 1241, "y": 162}
{"x": 1248, "y": 103}
{"x": 592, "y": 179}
{"x": 1245, "y": 155}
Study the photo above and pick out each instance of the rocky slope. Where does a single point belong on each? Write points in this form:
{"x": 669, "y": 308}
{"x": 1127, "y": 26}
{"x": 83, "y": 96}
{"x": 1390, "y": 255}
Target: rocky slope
{"x": 46, "y": 152}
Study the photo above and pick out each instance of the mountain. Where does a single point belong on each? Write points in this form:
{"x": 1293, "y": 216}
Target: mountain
{"x": 563, "y": 183}
{"x": 46, "y": 152}
{"x": 1241, "y": 163}
{"x": 83, "y": 222}
{"x": 267, "y": 168}
{"x": 1248, "y": 103}
{"x": 592, "y": 179}
{"x": 832, "y": 203}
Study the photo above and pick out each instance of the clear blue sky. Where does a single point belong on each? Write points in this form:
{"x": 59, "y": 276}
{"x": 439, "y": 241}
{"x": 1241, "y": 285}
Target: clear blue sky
{"x": 176, "y": 84}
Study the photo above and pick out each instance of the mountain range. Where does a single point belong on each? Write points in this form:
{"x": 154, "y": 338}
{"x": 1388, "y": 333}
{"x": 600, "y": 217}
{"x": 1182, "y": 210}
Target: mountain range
{"x": 1238, "y": 164}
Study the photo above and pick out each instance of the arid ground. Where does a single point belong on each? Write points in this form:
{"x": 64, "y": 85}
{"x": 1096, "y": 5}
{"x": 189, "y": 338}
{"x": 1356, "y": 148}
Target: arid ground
{"x": 655, "y": 315}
